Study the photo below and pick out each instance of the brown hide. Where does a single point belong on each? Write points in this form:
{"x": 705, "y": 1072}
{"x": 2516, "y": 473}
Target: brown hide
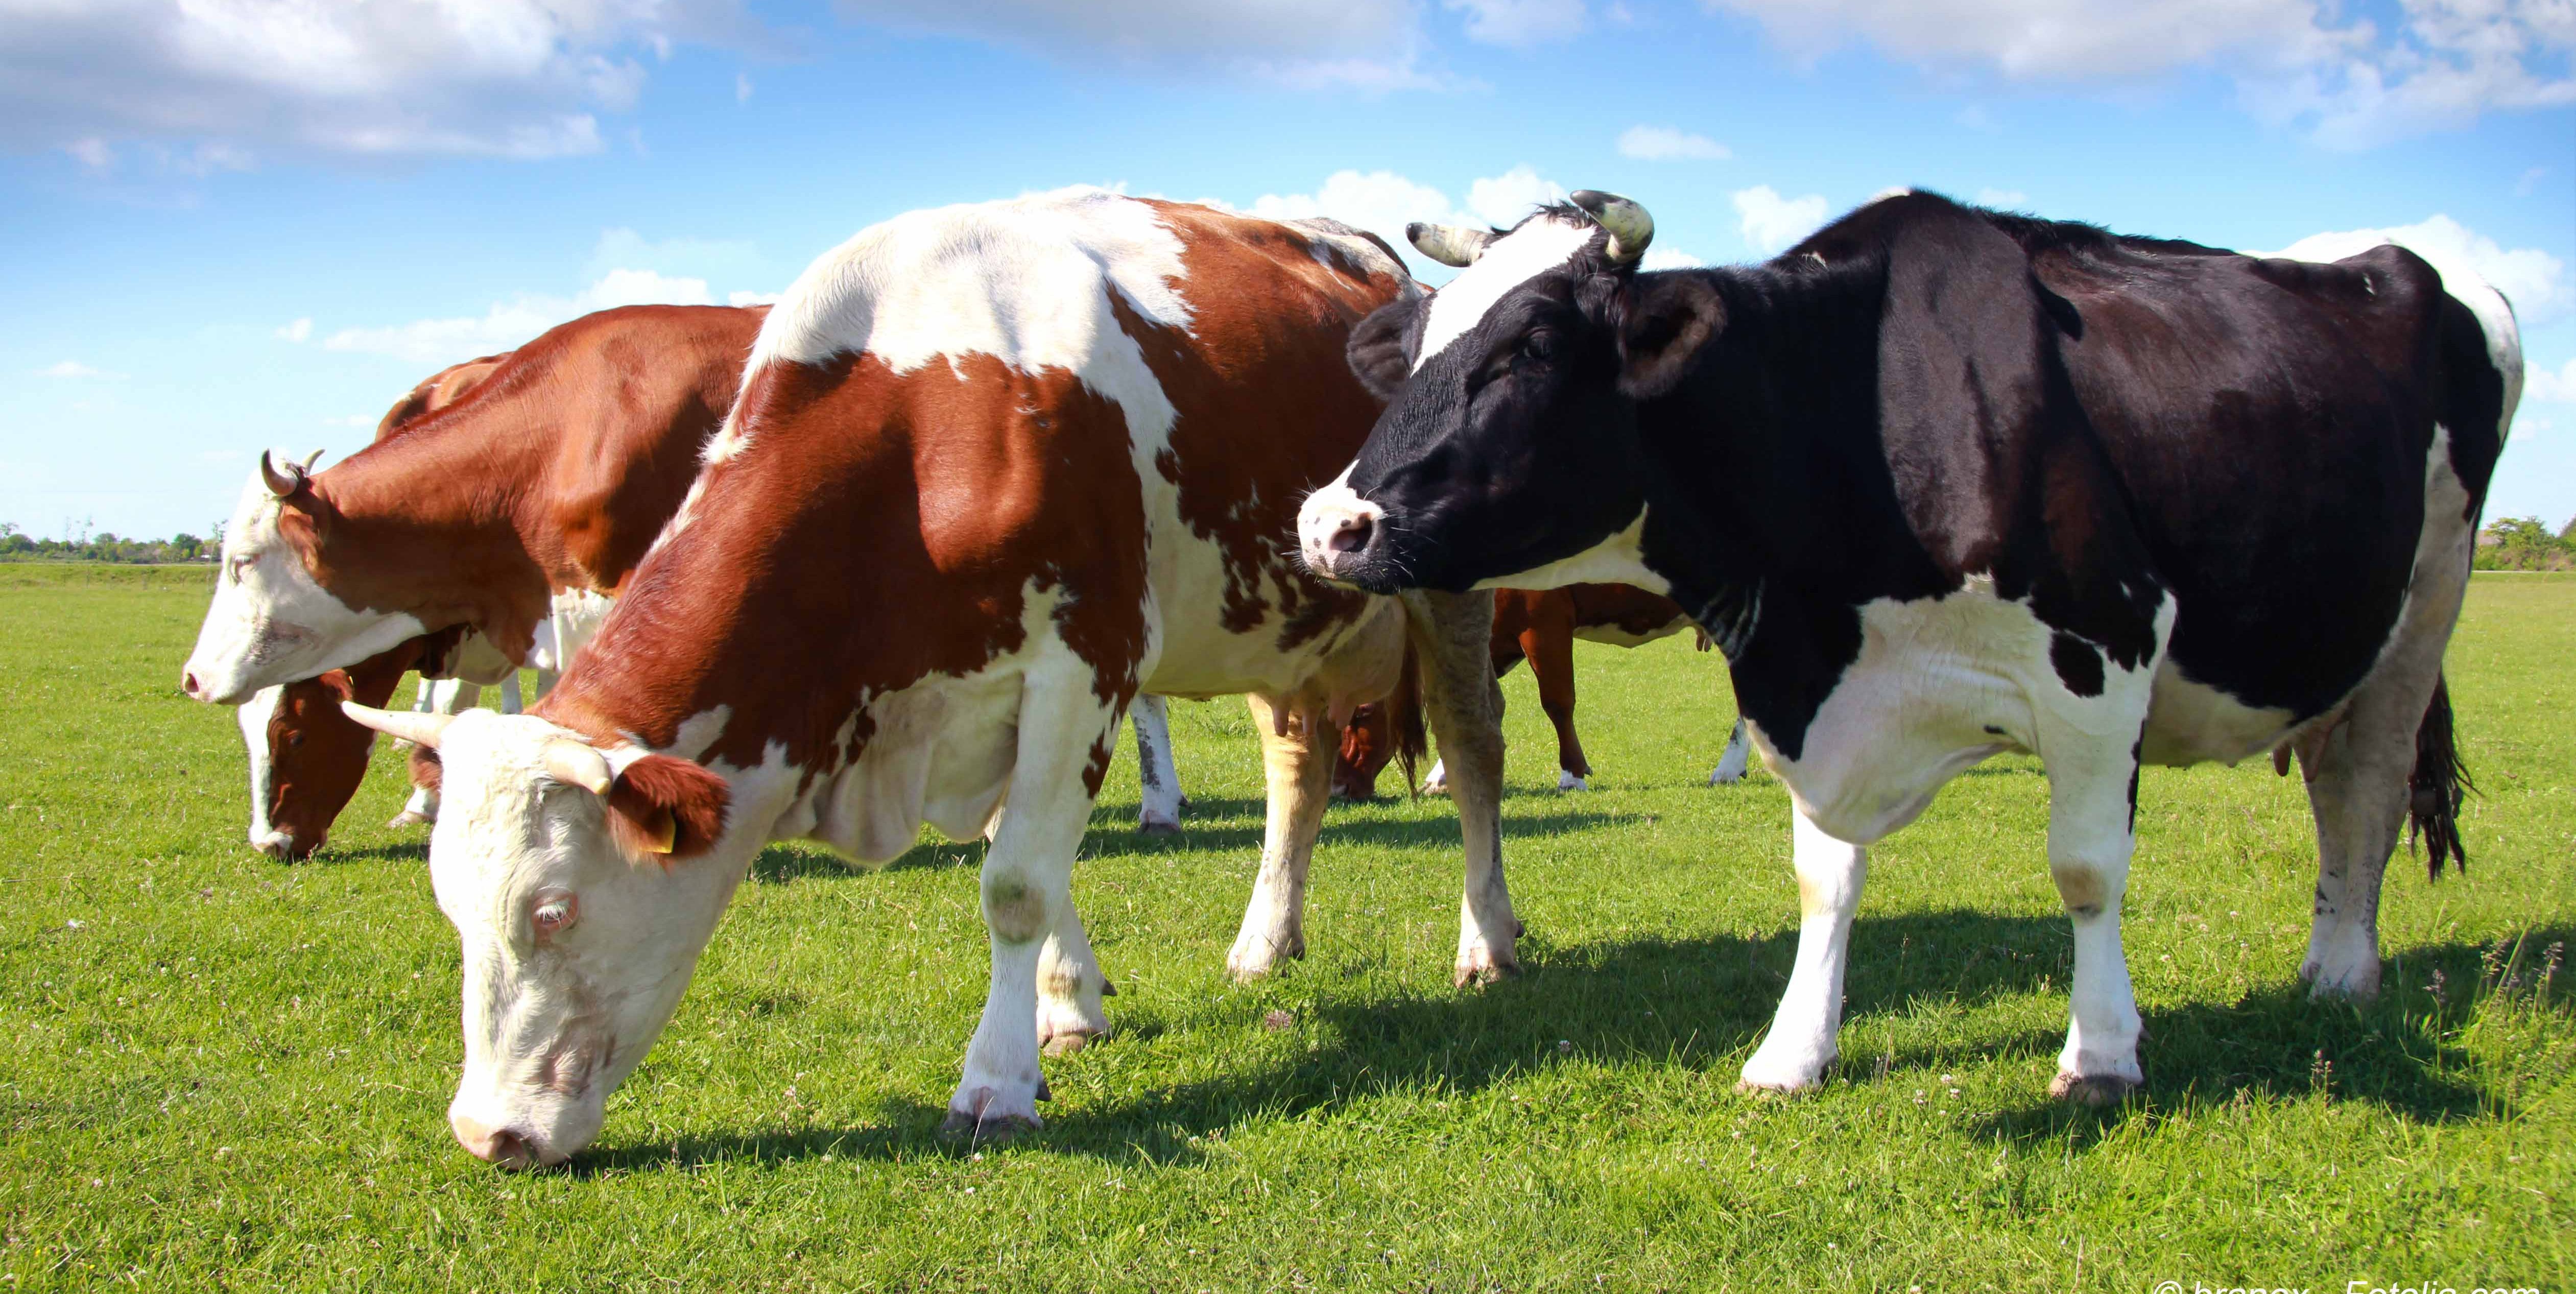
{"x": 911, "y": 512}
{"x": 589, "y": 439}
{"x": 1540, "y": 627}
{"x": 554, "y": 473}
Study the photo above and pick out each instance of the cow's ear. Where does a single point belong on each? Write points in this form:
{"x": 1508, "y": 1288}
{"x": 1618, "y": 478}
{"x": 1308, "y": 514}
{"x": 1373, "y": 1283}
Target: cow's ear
{"x": 1669, "y": 318}
{"x": 666, "y": 809}
{"x": 1381, "y": 348}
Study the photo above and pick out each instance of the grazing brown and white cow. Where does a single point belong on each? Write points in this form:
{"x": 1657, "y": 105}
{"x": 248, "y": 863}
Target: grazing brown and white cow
{"x": 1541, "y": 626}
{"x": 505, "y": 497}
{"x": 995, "y": 471}
{"x": 307, "y": 758}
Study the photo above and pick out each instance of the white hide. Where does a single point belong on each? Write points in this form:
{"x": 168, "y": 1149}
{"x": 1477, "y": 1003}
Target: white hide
{"x": 1941, "y": 684}
{"x": 512, "y": 839}
{"x": 1542, "y": 243}
{"x": 1618, "y": 559}
{"x": 253, "y": 715}
{"x": 270, "y": 622}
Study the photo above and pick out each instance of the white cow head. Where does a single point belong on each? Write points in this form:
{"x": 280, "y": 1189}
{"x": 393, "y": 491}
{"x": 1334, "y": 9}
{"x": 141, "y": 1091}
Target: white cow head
{"x": 271, "y": 621}
{"x": 572, "y": 881}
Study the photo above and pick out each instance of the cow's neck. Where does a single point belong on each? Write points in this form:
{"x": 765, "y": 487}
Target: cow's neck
{"x": 1770, "y": 509}
{"x": 441, "y": 523}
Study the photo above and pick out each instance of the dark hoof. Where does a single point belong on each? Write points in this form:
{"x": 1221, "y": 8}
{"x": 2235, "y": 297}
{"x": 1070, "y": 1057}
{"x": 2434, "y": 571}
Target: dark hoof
{"x": 1158, "y": 828}
{"x": 2097, "y": 1092}
{"x": 967, "y": 1129}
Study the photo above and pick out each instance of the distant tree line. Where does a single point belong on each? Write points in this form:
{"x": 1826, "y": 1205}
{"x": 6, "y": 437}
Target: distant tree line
{"x": 18, "y": 546}
{"x": 2525, "y": 544}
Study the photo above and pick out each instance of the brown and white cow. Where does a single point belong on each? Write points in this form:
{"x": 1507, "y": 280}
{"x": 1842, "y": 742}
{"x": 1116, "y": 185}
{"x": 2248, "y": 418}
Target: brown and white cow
{"x": 306, "y": 757}
{"x": 1541, "y": 627}
{"x": 995, "y": 471}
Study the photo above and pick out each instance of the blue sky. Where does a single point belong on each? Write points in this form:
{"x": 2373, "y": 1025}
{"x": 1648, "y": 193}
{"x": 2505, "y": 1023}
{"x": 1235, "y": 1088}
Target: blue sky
{"x": 233, "y": 224}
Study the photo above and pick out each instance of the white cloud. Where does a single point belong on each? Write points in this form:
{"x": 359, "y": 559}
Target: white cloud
{"x": 511, "y": 323}
{"x": 299, "y": 330}
{"x": 1772, "y": 222}
{"x": 2351, "y": 86}
{"x": 2007, "y": 199}
{"x": 1665, "y": 258}
{"x": 354, "y": 420}
{"x": 1367, "y": 45}
{"x": 1670, "y": 144}
{"x": 2533, "y": 280}
{"x": 1519, "y": 22}
{"x": 753, "y": 298}
{"x": 73, "y": 368}
{"x": 1383, "y": 202}
{"x": 1503, "y": 199}
{"x": 2552, "y": 386}
{"x": 234, "y": 78}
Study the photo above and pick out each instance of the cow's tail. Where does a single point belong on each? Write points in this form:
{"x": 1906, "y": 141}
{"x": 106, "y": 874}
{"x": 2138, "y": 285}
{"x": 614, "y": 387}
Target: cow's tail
{"x": 1404, "y": 717}
{"x": 2438, "y": 786}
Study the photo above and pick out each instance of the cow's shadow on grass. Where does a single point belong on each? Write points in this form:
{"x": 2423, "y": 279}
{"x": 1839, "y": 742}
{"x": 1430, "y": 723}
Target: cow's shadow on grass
{"x": 1701, "y": 1005}
{"x": 1233, "y": 827}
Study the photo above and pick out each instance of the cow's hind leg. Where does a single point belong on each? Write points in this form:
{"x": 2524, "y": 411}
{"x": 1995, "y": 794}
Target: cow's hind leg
{"x": 2092, "y": 835}
{"x": 1453, "y": 635}
{"x": 1158, "y": 812}
{"x": 1735, "y": 759}
{"x": 1550, "y": 648}
{"x": 1297, "y": 753}
{"x": 1066, "y": 735}
{"x": 1800, "y": 1045}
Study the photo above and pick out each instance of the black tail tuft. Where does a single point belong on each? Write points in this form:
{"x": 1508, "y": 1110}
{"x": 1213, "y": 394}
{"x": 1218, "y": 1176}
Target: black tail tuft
{"x": 1404, "y": 716}
{"x": 2438, "y": 786}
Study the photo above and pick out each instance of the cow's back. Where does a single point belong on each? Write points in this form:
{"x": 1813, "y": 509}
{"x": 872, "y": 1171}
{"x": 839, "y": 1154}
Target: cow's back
{"x": 2271, "y": 421}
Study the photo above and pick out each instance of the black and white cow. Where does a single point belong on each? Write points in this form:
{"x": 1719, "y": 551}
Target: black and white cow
{"x": 1945, "y": 483}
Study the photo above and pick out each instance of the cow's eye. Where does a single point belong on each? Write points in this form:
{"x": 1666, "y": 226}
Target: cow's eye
{"x": 294, "y": 739}
{"x": 1539, "y": 346}
{"x": 554, "y": 915}
{"x": 238, "y": 566}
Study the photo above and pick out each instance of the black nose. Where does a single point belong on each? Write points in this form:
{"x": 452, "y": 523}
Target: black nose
{"x": 1352, "y": 536}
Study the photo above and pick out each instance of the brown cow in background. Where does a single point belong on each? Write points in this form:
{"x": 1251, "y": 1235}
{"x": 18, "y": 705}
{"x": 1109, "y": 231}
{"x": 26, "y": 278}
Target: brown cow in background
{"x": 1541, "y": 627}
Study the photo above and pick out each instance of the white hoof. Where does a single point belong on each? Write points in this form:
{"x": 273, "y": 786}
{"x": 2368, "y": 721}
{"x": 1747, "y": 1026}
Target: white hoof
{"x": 1566, "y": 781}
{"x": 1784, "y": 1071}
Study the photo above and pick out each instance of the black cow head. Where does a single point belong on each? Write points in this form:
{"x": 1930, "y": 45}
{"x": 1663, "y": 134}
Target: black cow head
{"x": 1509, "y": 440}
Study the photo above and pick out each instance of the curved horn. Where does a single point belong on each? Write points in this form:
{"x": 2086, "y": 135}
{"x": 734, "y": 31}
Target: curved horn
{"x": 1629, "y": 225}
{"x": 281, "y": 482}
{"x": 1455, "y": 245}
{"x": 311, "y": 459}
{"x": 410, "y": 725}
{"x": 576, "y": 763}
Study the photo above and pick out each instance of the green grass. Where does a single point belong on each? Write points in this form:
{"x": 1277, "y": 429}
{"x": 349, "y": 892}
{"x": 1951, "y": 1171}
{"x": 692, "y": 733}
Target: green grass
{"x": 221, "y": 1071}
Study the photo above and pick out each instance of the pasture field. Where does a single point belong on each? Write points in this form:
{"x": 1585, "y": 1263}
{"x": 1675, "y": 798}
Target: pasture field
{"x": 217, "y": 1071}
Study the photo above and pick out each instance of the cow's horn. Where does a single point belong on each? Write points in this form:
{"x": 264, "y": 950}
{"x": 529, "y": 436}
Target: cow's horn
{"x": 1449, "y": 244}
{"x": 1629, "y": 225}
{"x": 576, "y": 763}
{"x": 410, "y": 725}
{"x": 311, "y": 459}
{"x": 281, "y": 482}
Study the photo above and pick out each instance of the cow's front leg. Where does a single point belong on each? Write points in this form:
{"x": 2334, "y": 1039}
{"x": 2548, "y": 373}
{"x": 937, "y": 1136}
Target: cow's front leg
{"x": 1453, "y": 634}
{"x": 1297, "y": 753}
{"x": 1070, "y": 988}
{"x": 1735, "y": 759}
{"x": 1795, "y": 1054}
{"x": 1065, "y": 737}
{"x": 2091, "y": 835}
{"x": 437, "y": 696}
